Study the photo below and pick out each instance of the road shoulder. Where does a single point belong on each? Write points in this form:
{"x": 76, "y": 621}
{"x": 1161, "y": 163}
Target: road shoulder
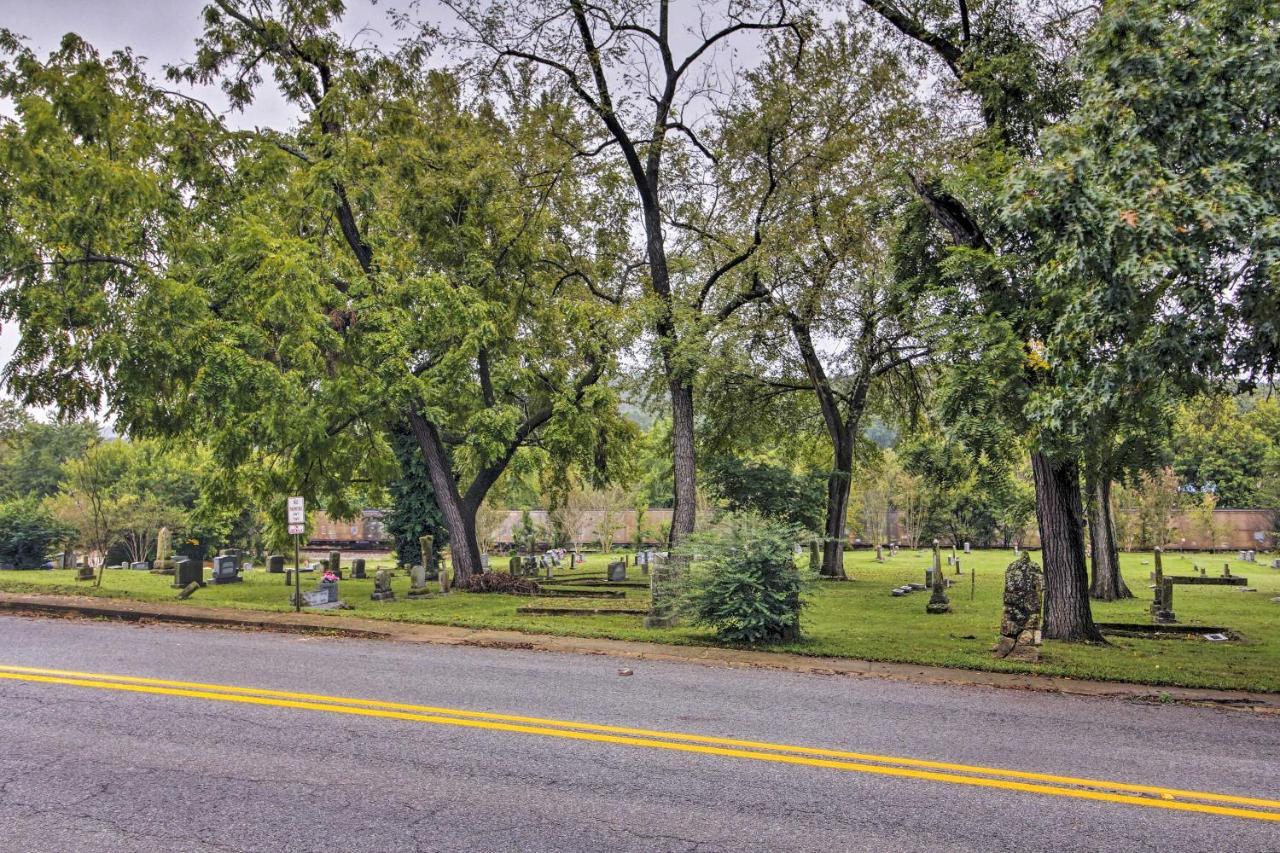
{"x": 333, "y": 624}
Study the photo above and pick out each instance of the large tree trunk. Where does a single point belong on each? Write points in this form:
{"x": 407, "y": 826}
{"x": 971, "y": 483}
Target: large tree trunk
{"x": 1066, "y": 576}
{"x": 1108, "y": 584}
{"x": 663, "y": 577}
{"x": 838, "y": 485}
{"x": 686, "y": 484}
{"x": 459, "y": 516}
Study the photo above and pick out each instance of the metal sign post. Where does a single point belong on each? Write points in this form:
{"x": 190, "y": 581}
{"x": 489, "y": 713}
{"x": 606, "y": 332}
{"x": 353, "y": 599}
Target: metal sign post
{"x": 297, "y": 524}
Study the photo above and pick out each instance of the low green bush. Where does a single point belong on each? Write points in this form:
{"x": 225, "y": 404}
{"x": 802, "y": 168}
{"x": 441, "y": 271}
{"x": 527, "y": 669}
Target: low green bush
{"x": 743, "y": 582}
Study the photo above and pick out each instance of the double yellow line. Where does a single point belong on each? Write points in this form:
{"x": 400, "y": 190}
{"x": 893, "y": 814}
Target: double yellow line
{"x": 1150, "y": 796}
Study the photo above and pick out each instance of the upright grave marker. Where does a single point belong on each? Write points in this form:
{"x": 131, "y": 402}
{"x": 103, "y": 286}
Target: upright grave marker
{"x": 1023, "y": 602}
{"x": 226, "y": 569}
{"x": 187, "y": 571}
{"x": 382, "y": 586}
{"x": 418, "y": 581}
{"x": 163, "y": 564}
{"x": 427, "y": 553}
{"x": 938, "y": 602}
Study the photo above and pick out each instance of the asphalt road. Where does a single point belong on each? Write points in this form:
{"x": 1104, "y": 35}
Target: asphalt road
{"x": 84, "y": 768}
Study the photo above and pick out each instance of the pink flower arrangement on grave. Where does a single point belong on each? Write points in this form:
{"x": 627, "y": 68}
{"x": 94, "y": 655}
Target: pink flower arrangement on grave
{"x": 329, "y": 577}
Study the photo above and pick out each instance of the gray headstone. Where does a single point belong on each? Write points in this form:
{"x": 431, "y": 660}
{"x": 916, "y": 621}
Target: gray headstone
{"x": 226, "y": 569}
{"x": 275, "y": 564}
{"x": 382, "y": 586}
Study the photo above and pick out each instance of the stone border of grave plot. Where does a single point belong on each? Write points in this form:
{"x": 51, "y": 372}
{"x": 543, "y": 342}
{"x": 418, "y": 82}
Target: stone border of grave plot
{"x": 549, "y": 610}
{"x": 609, "y": 594}
{"x": 1168, "y": 630}
{"x": 595, "y": 582}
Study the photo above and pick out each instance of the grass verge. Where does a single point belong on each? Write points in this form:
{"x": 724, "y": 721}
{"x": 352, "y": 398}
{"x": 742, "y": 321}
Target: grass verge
{"x": 857, "y": 619}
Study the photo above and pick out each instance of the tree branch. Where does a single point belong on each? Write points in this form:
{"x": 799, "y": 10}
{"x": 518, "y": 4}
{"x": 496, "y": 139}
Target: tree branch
{"x": 909, "y": 26}
{"x": 950, "y": 213}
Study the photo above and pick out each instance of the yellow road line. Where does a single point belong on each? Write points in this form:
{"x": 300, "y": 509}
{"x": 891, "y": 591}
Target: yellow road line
{"x": 899, "y": 772}
{"x": 1154, "y": 790}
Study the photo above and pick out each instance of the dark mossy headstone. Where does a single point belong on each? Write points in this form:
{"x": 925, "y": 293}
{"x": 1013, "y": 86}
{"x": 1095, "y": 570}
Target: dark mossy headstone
{"x": 186, "y": 571}
{"x": 938, "y": 602}
{"x": 275, "y": 564}
{"x": 1023, "y": 603}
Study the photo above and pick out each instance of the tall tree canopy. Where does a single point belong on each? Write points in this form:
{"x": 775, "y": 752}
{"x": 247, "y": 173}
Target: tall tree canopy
{"x": 821, "y": 136}
{"x": 644, "y": 79}
{"x": 396, "y": 258}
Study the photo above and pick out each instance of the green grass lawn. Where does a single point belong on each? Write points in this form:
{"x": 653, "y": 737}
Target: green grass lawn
{"x": 858, "y": 619}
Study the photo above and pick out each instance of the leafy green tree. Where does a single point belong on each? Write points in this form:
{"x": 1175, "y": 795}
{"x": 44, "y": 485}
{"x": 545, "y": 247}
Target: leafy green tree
{"x": 1265, "y": 416}
{"x": 396, "y": 258}
{"x": 1008, "y": 64}
{"x": 767, "y": 489}
{"x": 654, "y": 465}
{"x": 120, "y": 493}
{"x": 812, "y": 151}
{"x": 29, "y": 532}
{"x": 636, "y": 81}
{"x": 32, "y": 452}
{"x": 1153, "y": 208}
{"x": 1162, "y": 191}
{"x": 89, "y": 502}
{"x": 1217, "y": 449}
{"x": 985, "y": 500}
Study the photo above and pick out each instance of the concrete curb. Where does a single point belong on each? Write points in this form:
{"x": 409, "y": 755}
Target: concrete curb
{"x": 349, "y": 626}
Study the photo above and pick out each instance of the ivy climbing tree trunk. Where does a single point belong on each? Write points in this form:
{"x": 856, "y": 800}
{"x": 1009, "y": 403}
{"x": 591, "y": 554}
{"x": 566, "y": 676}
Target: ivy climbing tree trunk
{"x": 1108, "y": 584}
{"x": 1060, "y": 516}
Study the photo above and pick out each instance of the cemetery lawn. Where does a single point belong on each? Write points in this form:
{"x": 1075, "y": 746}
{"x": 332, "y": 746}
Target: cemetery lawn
{"x": 857, "y": 619}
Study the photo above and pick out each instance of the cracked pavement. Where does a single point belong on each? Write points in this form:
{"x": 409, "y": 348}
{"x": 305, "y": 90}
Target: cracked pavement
{"x": 90, "y": 770}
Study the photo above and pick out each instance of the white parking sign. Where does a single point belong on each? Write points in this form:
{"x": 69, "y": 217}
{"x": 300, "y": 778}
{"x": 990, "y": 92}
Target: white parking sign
{"x": 297, "y": 511}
